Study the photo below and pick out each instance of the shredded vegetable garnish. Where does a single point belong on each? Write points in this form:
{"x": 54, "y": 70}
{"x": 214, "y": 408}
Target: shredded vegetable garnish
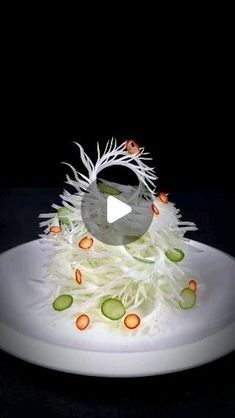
{"x": 63, "y": 215}
{"x": 108, "y": 282}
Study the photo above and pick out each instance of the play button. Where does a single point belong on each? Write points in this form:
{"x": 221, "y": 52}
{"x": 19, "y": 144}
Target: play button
{"x": 116, "y": 209}
{"x": 116, "y": 214}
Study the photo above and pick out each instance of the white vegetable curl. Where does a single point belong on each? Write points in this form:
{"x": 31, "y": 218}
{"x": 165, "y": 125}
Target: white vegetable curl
{"x": 113, "y": 155}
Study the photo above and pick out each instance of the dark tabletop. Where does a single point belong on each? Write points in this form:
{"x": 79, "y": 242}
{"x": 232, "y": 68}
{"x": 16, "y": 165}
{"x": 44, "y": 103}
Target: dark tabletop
{"x": 31, "y": 391}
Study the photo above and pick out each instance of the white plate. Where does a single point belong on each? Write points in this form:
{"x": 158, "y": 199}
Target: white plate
{"x": 195, "y": 337}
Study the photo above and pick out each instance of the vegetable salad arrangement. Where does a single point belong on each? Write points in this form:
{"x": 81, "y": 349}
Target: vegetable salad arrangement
{"x": 127, "y": 287}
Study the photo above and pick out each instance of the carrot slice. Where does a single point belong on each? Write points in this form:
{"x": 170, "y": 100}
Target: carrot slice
{"x": 163, "y": 197}
{"x": 55, "y": 229}
{"x": 78, "y": 276}
{"x": 82, "y": 322}
{"x": 155, "y": 210}
{"x": 132, "y": 147}
{"x": 132, "y": 321}
{"x": 192, "y": 284}
{"x": 86, "y": 243}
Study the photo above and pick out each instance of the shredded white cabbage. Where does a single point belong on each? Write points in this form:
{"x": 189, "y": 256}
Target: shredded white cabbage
{"x": 139, "y": 274}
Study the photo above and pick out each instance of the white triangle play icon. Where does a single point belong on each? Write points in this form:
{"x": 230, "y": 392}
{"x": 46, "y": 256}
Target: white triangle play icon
{"x": 116, "y": 209}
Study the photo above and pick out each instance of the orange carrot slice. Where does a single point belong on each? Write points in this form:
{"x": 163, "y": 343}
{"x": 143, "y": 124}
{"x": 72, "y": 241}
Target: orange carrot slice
{"x": 82, "y": 322}
{"x": 86, "y": 243}
{"x": 132, "y": 147}
{"x": 192, "y": 285}
{"x": 163, "y": 197}
{"x": 78, "y": 276}
{"x": 155, "y": 210}
{"x": 55, "y": 229}
{"x": 132, "y": 321}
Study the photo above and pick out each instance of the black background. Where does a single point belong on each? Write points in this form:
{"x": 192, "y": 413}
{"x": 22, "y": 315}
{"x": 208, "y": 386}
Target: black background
{"x": 190, "y": 140}
{"x": 184, "y": 119}
{"x": 181, "y": 113}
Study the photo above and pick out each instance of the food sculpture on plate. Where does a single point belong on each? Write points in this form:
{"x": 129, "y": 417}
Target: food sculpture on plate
{"x": 129, "y": 286}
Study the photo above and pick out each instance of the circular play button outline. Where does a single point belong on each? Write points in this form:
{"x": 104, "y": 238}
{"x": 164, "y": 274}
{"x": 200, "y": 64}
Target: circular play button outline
{"x": 120, "y": 218}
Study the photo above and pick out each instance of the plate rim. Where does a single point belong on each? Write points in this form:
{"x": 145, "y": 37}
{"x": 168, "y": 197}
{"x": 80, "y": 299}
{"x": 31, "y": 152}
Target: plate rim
{"x": 107, "y": 364}
{"x": 118, "y": 364}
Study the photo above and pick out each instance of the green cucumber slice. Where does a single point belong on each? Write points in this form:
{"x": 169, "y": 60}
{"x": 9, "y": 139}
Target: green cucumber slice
{"x": 175, "y": 255}
{"x": 144, "y": 260}
{"x": 62, "y": 302}
{"x": 142, "y": 249}
{"x": 106, "y": 188}
{"x": 189, "y": 298}
{"x": 113, "y": 309}
{"x": 62, "y": 214}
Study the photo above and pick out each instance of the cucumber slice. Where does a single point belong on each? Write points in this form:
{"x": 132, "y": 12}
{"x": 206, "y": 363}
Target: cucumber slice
{"x": 62, "y": 214}
{"x": 107, "y": 189}
{"x": 129, "y": 239}
{"x": 142, "y": 249}
{"x": 189, "y": 298}
{"x": 62, "y": 302}
{"x": 113, "y": 309}
{"x": 175, "y": 255}
{"x": 144, "y": 260}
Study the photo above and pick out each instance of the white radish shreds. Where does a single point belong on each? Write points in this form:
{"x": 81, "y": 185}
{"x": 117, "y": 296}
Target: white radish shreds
{"x": 139, "y": 274}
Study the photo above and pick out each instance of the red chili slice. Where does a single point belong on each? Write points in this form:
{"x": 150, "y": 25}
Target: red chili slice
{"x": 163, "y": 197}
{"x": 55, "y": 229}
{"x": 155, "y": 210}
{"x": 82, "y": 322}
{"x": 86, "y": 243}
{"x": 78, "y": 276}
{"x": 132, "y": 147}
{"x": 132, "y": 321}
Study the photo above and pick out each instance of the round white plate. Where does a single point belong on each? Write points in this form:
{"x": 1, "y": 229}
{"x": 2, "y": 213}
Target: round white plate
{"x": 39, "y": 336}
